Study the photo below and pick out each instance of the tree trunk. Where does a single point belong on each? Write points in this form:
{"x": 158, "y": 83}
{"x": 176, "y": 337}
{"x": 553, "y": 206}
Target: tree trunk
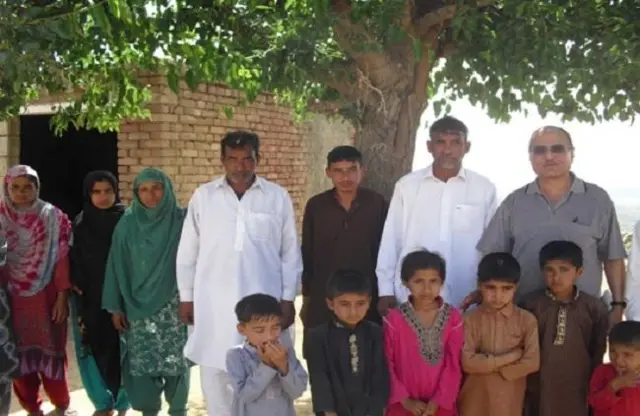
{"x": 387, "y": 141}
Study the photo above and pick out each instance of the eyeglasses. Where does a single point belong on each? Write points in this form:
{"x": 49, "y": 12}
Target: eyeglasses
{"x": 556, "y": 149}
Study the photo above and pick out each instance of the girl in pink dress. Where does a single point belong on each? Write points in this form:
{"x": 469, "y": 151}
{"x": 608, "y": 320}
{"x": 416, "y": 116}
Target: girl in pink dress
{"x": 423, "y": 341}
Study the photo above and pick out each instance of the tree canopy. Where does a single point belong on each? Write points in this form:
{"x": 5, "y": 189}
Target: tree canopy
{"x": 376, "y": 62}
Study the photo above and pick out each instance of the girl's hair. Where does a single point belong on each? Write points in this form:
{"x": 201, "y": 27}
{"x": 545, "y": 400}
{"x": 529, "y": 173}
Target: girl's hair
{"x": 422, "y": 260}
{"x": 502, "y": 267}
{"x": 625, "y": 333}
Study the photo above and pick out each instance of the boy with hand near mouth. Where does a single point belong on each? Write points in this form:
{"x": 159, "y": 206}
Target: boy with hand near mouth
{"x": 267, "y": 377}
{"x": 573, "y": 330}
{"x": 615, "y": 386}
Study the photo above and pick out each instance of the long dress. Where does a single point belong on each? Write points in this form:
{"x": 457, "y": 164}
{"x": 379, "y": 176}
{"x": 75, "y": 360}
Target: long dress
{"x": 424, "y": 362}
{"x": 97, "y": 343}
{"x": 140, "y": 282}
{"x": 36, "y": 272}
{"x": 9, "y": 364}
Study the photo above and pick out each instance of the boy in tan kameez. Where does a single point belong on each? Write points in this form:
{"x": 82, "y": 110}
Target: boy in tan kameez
{"x": 501, "y": 344}
{"x": 573, "y": 330}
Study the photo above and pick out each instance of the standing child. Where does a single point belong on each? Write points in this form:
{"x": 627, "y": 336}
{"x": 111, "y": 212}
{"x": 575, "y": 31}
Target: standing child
{"x": 347, "y": 367}
{"x": 573, "y": 335}
{"x": 615, "y": 387}
{"x": 266, "y": 376}
{"x": 423, "y": 339}
{"x": 501, "y": 343}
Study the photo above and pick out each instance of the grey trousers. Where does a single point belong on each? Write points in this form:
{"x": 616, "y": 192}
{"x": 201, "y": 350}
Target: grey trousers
{"x": 5, "y": 397}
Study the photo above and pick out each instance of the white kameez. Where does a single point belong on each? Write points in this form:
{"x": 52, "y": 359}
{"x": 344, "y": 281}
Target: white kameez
{"x": 445, "y": 217}
{"x": 231, "y": 248}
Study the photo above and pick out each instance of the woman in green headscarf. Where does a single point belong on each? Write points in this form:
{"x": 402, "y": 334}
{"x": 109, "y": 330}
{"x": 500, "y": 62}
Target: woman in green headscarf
{"x": 140, "y": 291}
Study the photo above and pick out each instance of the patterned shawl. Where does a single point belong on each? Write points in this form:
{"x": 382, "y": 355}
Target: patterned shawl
{"x": 37, "y": 237}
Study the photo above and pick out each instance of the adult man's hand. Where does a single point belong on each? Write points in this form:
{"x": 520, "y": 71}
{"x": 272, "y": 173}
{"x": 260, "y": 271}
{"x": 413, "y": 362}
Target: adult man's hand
{"x": 385, "y": 303}
{"x": 615, "y": 316}
{"x": 288, "y": 313}
{"x": 474, "y": 298}
{"x": 185, "y": 313}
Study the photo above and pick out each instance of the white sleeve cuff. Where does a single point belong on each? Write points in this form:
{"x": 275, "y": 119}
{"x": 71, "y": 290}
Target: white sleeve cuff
{"x": 186, "y": 295}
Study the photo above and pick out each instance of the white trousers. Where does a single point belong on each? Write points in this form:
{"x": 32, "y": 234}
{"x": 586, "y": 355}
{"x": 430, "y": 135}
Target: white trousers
{"x": 217, "y": 390}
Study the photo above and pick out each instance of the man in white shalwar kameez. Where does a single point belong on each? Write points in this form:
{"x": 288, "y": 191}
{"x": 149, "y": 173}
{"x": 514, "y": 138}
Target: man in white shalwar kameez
{"x": 239, "y": 238}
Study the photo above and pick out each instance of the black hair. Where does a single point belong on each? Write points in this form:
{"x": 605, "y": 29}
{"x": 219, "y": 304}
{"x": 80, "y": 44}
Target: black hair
{"x": 448, "y": 124}
{"x": 257, "y": 306}
{"x": 347, "y": 281}
{"x": 344, "y": 154}
{"x": 502, "y": 267}
{"x": 240, "y": 139}
{"x": 625, "y": 333}
{"x": 546, "y": 129}
{"x": 561, "y": 250}
{"x": 422, "y": 260}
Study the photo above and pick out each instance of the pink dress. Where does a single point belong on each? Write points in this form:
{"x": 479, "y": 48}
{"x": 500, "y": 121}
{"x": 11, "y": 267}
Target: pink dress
{"x": 424, "y": 362}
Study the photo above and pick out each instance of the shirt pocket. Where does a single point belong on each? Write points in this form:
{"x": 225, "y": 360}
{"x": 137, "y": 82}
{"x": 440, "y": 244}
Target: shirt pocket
{"x": 261, "y": 226}
{"x": 468, "y": 218}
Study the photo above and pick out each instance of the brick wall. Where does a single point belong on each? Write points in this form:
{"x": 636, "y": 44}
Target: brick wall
{"x": 183, "y": 138}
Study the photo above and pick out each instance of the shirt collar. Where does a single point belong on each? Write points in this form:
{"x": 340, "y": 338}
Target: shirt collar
{"x": 577, "y": 186}
{"x": 507, "y": 311}
{"x": 576, "y": 293}
{"x": 222, "y": 182}
{"x": 428, "y": 173}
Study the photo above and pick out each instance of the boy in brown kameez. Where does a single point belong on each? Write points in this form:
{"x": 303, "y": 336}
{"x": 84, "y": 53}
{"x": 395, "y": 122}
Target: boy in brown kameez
{"x": 501, "y": 344}
{"x": 573, "y": 335}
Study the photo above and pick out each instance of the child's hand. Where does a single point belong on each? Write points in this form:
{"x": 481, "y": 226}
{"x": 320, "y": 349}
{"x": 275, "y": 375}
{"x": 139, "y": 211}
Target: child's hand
{"x": 279, "y": 357}
{"x": 416, "y": 407}
{"x": 431, "y": 409}
{"x": 264, "y": 356}
{"x": 629, "y": 379}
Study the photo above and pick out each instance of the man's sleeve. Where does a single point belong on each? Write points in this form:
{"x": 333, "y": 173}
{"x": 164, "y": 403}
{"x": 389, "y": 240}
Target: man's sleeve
{"x": 390, "y": 245}
{"x": 290, "y": 252}
{"x": 307, "y": 250}
{"x": 498, "y": 236}
{"x": 611, "y": 246}
{"x": 188, "y": 251}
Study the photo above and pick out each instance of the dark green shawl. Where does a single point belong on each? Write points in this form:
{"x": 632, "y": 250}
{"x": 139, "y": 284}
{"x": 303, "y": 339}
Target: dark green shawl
{"x": 141, "y": 270}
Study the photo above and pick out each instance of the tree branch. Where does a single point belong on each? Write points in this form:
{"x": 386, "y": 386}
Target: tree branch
{"x": 441, "y": 17}
{"x": 356, "y": 41}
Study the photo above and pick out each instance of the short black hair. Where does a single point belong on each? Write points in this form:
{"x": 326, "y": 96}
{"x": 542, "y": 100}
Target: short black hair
{"x": 625, "y": 333}
{"x": 502, "y": 267}
{"x": 347, "y": 281}
{"x": 257, "y": 306}
{"x": 240, "y": 139}
{"x": 344, "y": 154}
{"x": 422, "y": 260}
{"x": 561, "y": 250}
{"x": 448, "y": 124}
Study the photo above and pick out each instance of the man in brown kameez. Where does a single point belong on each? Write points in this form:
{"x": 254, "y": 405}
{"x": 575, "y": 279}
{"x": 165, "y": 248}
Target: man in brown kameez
{"x": 573, "y": 331}
{"x": 341, "y": 229}
{"x": 501, "y": 344}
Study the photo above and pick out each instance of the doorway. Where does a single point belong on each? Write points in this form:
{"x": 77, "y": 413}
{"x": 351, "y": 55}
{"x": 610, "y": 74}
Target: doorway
{"x": 63, "y": 162}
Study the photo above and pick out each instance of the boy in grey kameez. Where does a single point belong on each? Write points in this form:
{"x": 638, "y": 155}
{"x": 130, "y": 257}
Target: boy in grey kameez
{"x": 267, "y": 376}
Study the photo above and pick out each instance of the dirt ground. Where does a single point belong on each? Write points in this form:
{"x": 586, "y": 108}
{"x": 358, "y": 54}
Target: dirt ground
{"x": 81, "y": 403}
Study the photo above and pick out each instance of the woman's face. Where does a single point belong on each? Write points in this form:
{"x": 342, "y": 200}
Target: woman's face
{"x": 22, "y": 192}
{"x": 150, "y": 193}
{"x": 103, "y": 195}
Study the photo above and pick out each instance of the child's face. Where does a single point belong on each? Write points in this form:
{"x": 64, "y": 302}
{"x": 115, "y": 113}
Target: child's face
{"x": 260, "y": 331}
{"x": 425, "y": 285}
{"x": 625, "y": 358}
{"x": 350, "y": 308}
{"x": 497, "y": 294}
{"x": 560, "y": 277}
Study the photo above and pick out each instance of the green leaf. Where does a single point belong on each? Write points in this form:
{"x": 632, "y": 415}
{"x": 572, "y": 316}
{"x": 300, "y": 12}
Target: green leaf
{"x": 173, "y": 79}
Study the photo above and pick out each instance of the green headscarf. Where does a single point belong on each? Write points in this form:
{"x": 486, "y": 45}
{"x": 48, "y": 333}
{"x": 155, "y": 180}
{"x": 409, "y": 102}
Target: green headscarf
{"x": 141, "y": 270}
